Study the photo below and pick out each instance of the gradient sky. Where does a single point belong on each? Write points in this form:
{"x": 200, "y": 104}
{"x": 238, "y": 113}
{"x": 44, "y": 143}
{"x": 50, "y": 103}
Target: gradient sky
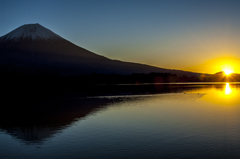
{"x": 193, "y": 35}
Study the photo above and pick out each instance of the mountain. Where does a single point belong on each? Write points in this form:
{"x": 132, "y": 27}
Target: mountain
{"x": 33, "y": 48}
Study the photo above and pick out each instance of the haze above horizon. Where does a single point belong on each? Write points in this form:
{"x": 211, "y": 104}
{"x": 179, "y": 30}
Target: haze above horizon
{"x": 200, "y": 36}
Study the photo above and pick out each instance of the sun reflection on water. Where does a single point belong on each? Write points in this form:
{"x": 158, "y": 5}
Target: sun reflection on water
{"x": 228, "y": 89}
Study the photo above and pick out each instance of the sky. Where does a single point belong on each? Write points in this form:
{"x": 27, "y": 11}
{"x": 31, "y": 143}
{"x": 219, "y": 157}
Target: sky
{"x": 192, "y": 35}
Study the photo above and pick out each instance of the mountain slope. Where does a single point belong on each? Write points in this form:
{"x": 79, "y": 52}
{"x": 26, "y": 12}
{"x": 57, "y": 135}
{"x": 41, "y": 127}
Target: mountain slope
{"x": 34, "y": 49}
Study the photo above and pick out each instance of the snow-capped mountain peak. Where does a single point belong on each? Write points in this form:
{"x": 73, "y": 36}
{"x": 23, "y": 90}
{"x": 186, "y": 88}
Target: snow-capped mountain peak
{"x": 31, "y": 31}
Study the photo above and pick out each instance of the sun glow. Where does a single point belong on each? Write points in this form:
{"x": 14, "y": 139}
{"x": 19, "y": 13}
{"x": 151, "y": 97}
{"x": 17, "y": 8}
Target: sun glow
{"x": 218, "y": 65}
{"x": 228, "y": 72}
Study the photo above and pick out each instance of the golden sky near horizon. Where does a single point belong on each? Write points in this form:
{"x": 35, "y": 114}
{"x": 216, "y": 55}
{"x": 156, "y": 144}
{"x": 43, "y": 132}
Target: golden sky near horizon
{"x": 217, "y": 65}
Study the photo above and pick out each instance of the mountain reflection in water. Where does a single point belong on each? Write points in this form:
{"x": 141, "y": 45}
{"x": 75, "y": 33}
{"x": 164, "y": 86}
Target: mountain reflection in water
{"x": 198, "y": 120}
{"x": 35, "y": 120}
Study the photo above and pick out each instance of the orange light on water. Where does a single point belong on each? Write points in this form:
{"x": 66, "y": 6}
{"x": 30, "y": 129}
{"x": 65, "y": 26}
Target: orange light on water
{"x": 222, "y": 95}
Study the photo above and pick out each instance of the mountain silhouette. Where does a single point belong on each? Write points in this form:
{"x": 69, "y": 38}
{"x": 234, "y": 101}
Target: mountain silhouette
{"x": 33, "y": 48}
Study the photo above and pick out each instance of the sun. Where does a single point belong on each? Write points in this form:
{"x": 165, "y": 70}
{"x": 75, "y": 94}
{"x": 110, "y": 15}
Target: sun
{"x": 228, "y": 72}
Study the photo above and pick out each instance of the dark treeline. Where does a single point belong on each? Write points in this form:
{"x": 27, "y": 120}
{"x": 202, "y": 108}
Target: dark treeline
{"x": 47, "y": 85}
{"x": 135, "y": 78}
{"x": 140, "y": 78}
{"x": 30, "y": 87}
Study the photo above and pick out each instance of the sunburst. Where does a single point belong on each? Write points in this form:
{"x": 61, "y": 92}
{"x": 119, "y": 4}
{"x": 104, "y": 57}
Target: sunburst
{"x": 228, "y": 72}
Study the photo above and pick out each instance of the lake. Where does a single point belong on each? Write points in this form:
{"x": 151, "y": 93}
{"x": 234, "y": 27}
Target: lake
{"x": 194, "y": 120}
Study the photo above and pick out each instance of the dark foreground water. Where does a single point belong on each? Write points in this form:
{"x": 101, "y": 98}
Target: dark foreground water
{"x": 141, "y": 121}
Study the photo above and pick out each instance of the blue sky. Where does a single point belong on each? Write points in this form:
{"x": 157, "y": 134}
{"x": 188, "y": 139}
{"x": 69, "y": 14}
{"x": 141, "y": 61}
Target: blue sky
{"x": 178, "y": 34}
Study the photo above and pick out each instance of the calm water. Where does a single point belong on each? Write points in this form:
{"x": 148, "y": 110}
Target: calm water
{"x": 144, "y": 121}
